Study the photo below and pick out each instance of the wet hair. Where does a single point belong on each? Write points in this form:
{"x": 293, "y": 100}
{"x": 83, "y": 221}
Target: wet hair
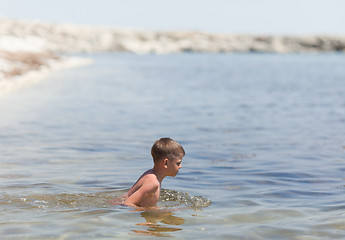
{"x": 166, "y": 148}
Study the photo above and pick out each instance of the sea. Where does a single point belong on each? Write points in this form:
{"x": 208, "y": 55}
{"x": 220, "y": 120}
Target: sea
{"x": 264, "y": 136}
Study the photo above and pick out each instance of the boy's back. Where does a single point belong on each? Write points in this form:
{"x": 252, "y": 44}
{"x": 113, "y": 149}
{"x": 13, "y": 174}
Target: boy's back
{"x": 145, "y": 192}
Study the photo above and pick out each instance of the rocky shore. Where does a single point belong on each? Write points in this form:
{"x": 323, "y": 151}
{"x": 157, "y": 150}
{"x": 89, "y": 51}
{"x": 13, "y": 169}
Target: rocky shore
{"x": 70, "y": 38}
{"x": 27, "y": 46}
{"x": 20, "y": 68}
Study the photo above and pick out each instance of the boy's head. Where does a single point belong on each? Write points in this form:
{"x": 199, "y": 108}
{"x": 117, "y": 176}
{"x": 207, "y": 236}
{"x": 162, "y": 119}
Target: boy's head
{"x": 166, "y": 148}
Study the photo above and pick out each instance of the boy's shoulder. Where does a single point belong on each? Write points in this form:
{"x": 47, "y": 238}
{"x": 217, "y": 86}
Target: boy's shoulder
{"x": 148, "y": 183}
{"x": 150, "y": 178}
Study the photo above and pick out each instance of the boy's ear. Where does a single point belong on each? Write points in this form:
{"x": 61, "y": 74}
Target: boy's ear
{"x": 165, "y": 162}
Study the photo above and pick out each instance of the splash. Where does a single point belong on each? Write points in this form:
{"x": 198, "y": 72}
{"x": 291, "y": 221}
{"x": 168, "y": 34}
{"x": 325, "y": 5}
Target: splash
{"x": 169, "y": 198}
{"x": 62, "y": 200}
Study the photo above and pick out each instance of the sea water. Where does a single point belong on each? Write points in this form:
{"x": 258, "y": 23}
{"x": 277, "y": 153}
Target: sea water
{"x": 264, "y": 136}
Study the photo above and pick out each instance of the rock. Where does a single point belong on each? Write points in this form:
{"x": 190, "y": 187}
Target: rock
{"x": 70, "y": 38}
{"x": 27, "y": 46}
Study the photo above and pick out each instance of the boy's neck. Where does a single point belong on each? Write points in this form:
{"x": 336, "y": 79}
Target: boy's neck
{"x": 156, "y": 171}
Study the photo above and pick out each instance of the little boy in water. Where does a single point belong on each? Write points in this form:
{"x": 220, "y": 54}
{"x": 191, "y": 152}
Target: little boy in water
{"x": 167, "y": 156}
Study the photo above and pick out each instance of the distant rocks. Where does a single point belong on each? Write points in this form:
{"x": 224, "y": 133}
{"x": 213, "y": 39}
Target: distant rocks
{"x": 70, "y": 38}
{"x": 30, "y": 48}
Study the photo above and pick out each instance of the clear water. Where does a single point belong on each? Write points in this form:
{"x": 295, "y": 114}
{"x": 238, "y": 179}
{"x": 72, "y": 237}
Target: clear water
{"x": 264, "y": 136}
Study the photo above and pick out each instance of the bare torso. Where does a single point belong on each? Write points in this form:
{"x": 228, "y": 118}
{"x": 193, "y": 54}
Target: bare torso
{"x": 138, "y": 194}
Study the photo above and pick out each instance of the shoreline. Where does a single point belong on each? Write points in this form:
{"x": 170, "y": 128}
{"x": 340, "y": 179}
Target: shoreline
{"x": 31, "y": 49}
{"x": 22, "y": 69}
{"x": 19, "y": 35}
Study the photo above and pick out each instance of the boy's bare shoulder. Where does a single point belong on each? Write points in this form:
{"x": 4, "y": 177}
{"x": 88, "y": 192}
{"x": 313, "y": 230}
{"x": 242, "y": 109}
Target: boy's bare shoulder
{"x": 150, "y": 179}
{"x": 147, "y": 184}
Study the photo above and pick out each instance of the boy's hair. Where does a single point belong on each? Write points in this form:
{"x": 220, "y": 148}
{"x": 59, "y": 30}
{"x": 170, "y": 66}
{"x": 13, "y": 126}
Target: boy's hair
{"x": 166, "y": 148}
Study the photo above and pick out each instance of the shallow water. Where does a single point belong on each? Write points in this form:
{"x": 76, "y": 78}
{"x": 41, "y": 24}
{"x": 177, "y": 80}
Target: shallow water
{"x": 264, "y": 136}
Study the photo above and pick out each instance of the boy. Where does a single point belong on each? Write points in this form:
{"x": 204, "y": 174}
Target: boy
{"x": 167, "y": 157}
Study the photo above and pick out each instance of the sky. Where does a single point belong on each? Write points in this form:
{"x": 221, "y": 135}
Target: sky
{"x": 221, "y": 16}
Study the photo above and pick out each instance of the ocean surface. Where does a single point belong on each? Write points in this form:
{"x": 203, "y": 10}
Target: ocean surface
{"x": 264, "y": 136}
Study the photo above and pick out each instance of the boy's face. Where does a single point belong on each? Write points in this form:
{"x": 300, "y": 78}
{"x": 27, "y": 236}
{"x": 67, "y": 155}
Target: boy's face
{"x": 174, "y": 166}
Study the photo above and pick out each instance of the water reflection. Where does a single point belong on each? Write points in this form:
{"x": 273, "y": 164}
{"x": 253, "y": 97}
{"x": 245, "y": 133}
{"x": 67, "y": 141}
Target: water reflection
{"x": 159, "y": 223}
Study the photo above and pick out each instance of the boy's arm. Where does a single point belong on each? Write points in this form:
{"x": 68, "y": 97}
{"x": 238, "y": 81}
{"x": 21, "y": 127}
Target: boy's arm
{"x": 146, "y": 189}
